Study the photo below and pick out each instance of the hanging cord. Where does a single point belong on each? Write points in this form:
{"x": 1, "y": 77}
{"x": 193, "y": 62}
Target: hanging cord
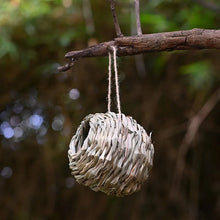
{"x": 116, "y": 80}
{"x": 109, "y": 80}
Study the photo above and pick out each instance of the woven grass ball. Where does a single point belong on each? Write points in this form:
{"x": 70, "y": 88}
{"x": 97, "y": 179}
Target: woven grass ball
{"x": 111, "y": 153}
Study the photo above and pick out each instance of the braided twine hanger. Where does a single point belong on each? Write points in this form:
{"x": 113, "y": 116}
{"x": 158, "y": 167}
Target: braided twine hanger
{"x": 110, "y": 80}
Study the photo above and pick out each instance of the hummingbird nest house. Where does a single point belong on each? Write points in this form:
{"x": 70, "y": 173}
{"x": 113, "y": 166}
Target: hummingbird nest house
{"x": 111, "y": 152}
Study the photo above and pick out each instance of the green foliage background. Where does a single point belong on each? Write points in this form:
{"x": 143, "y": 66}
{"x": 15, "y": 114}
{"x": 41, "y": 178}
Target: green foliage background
{"x": 35, "y": 100}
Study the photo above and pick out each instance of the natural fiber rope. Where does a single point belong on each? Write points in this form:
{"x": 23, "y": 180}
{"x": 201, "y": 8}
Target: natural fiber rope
{"x": 116, "y": 80}
{"x": 109, "y": 80}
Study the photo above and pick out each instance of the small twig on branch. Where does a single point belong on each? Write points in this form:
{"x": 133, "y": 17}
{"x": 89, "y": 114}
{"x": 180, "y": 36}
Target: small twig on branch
{"x": 138, "y": 22}
{"x": 192, "y": 130}
{"x": 167, "y": 41}
{"x": 115, "y": 19}
{"x": 67, "y": 66}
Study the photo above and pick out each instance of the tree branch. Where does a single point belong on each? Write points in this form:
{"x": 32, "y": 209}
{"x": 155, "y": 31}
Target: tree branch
{"x": 193, "y": 127}
{"x": 138, "y": 22}
{"x": 167, "y": 41}
{"x": 115, "y": 19}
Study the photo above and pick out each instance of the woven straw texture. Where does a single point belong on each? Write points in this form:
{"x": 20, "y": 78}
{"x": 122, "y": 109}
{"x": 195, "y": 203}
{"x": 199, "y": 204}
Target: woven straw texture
{"x": 111, "y": 153}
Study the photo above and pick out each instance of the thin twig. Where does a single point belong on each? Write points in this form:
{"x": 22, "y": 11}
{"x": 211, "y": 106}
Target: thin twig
{"x": 138, "y": 22}
{"x": 67, "y": 66}
{"x": 115, "y": 19}
{"x": 192, "y": 130}
{"x": 139, "y": 59}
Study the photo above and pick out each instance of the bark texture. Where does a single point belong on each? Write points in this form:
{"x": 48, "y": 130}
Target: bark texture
{"x": 167, "y": 41}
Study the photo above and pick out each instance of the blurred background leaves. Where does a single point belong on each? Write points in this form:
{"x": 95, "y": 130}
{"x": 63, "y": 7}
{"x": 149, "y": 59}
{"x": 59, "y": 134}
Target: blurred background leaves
{"x": 40, "y": 108}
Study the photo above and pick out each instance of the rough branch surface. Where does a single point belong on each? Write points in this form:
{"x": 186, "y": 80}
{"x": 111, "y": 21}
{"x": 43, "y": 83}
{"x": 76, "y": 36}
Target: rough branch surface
{"x": 167, "y": 41}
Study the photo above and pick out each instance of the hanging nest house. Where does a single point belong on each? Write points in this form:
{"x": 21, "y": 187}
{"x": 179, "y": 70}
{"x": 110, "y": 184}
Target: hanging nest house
{"x": 111, "y": 153}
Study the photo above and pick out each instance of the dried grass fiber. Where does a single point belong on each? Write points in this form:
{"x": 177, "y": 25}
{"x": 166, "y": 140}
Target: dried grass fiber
{"x": 111, "y": 153}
